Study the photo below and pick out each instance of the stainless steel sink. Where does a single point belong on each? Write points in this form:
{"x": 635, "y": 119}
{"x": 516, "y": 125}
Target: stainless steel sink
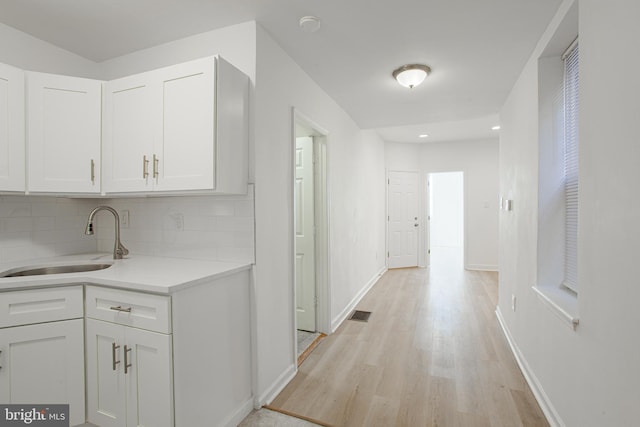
{"x": 53, "y": 269}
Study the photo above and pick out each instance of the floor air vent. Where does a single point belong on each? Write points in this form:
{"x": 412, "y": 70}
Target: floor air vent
{"x": 362, "y": 316}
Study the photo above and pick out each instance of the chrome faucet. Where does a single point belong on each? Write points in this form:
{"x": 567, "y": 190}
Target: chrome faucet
{"x": 118, "y": 249}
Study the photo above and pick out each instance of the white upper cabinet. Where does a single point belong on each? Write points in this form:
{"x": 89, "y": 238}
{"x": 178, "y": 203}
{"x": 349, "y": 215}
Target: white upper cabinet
{"x": 63, "y": 134}
{"x": 128, "y": 134}
{"x": 12, "y": 172}
{"x": 178, "y": 128}
{"x": 185, "y": 146}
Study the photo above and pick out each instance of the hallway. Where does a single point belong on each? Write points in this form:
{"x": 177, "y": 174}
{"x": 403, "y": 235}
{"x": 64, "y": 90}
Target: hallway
{"x": 431, "y": 354}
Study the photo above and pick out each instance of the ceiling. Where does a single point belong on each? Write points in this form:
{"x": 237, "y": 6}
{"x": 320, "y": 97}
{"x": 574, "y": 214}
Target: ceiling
{"x": 476, "y": 49}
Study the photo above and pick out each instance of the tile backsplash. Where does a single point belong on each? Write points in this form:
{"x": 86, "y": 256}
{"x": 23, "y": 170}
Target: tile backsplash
{"x": 38, "y": 227}
{"x": 216, "y": 228}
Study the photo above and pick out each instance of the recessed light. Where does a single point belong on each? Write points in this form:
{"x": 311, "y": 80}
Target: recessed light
{"x": 497, "y": 127}
{"x": 424, "y": 135}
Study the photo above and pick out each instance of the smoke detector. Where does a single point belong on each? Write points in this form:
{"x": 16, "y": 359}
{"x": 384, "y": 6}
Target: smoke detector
{"x": 309, "y": 24}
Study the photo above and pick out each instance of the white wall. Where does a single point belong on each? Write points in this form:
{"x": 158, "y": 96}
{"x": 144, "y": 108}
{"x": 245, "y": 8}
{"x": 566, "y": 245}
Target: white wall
{"x": 587, "y": 377}
{"x": 29, "y": 53}
{"x": 479, "y": 162}
{"x": 357, "y": 206}
{"x": 235, "y": 43}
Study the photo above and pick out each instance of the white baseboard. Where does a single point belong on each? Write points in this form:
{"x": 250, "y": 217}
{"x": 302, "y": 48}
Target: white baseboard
{"x": 337, "y": 321}
{"x": 278, "y": 385}
{"x": 482, "y": 267}
{"x": 543, "y": 400}
{"x": 240, "y": 414}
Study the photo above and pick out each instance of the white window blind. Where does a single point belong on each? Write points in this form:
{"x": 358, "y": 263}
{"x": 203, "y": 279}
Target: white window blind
{"x": 571, "y": 85}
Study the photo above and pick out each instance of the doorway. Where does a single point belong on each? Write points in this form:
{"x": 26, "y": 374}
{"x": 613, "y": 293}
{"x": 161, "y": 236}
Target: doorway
{"x": 446, "y": 217}
{"x": 311, "y": 293}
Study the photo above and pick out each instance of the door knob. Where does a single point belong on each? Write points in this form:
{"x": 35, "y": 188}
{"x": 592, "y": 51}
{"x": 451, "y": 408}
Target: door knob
{"x": 415, "y": 225}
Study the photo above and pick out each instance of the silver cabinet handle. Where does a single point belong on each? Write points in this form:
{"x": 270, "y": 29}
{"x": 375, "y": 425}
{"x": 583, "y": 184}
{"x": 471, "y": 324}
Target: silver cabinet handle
{"x": 156, "y": 162}
{"x": 119, "y": 308}
{"x": 114, "y": 362}
{"x": 145, "y": 167}
{"x": 127, "y": 365}
{"x": 93, "y": 171}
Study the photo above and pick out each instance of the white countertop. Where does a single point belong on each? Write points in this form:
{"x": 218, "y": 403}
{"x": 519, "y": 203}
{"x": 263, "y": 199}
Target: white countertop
{"x": 136, "y": 272}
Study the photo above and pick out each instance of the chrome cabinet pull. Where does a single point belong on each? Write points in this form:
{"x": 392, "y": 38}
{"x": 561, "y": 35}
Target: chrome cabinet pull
{"x": 145, "y": 167}
{"x": 156, "y": 162}
{"x": 127, "y": 365}
{"x": 119, "y": 308}
{"x": 93, "y": 172}
{"x": 114, "y": 362}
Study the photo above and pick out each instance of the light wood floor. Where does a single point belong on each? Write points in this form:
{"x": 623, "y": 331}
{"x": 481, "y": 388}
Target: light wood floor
{"x": 432, "y": 354}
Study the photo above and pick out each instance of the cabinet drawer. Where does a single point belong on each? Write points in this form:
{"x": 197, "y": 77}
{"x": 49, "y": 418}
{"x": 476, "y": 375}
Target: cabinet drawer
{"x": 137, "y": 309}
{"x": 40, "y": 305}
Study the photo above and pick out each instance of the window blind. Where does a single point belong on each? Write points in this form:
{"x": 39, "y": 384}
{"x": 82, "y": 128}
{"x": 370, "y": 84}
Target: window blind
{"x": 571, "y": 85}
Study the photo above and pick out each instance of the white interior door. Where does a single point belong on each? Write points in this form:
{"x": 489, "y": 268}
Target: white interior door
{"x": 403, "y": 219}
{"x": 305, "y": 240}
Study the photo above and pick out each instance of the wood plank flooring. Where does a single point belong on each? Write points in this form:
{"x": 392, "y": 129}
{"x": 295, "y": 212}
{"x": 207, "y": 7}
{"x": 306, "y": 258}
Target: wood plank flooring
{"x": 431, "y": 354}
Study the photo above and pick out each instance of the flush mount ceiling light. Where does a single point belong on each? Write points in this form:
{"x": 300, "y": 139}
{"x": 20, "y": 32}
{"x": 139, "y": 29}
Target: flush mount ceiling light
{"x": 496, "y": 127}
{"x": 411, "y": 75}
{"x": 424, "y": 135}
{"x": 309, "y": 24}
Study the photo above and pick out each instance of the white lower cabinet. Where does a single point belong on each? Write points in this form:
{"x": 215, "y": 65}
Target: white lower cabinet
{"x": 129, "y": 376}
{"x": 44, "y": 364}
{"x": 155, "y": 360}
{"x": 42, "y": 348}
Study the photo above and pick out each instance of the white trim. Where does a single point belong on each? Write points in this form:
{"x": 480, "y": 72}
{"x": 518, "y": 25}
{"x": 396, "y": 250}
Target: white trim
{"x": 276, "y": 387}
{"x": 337, "y": 321}
{"x": 562, "y": 303}
{"x": 482, "y": 267}
{"x": 240, "y": 414}
{"x": 552, "y": 416}
{"x": 254, "y": 330}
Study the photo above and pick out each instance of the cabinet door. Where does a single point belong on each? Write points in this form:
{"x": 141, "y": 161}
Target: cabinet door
{"x": 12, "y": 175}
{"x": 63, "y": 133}
{"x": 128, "y": 134}
{"x": 149, "y": 379}
{"x": 44, "y": 363}
{"x": 185, "y": 145}
{"x": 106, "y": 398}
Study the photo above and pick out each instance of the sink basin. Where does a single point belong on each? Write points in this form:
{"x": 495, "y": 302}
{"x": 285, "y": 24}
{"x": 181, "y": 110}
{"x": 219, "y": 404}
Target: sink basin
{"x": 54, "y": 269}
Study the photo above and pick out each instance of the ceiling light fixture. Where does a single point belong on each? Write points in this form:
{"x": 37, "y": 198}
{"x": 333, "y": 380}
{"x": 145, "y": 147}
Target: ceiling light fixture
{"x": 497, "y": 127}
{"x": 309, "y": 24}
{"x": 411, "y": 75}
{"x": 424, "y": 135}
